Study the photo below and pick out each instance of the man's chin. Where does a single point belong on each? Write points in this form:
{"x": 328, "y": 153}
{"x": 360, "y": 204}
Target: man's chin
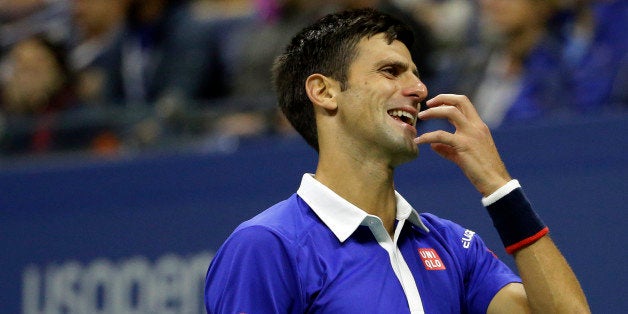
{"x": 407, "y": 155}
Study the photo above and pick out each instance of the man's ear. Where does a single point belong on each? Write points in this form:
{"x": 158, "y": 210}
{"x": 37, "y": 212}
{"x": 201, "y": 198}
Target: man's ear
{"x": 322, "y": 91}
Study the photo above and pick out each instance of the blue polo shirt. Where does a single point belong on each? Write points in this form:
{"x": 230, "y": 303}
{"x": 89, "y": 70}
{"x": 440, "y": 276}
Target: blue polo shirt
{"x": 316, "y": 252}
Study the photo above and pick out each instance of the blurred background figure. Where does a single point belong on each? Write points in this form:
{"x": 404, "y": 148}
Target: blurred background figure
{"x": 249, "y": 49}
{"x": 535, "y": 59}
{"x": 97, "y": 27}
{"x": 10, "y": 10}
{"x": 253, "y": 45}
{"x": 595, "y": 55}
{"x": 141, "y": 74}
{"x": 449, "y": 35}
{"x": 162, "y": 70}
{"x": 521, "y": 75}
{"x": 36, "y": 86}
{"x": 36, "y": 77}
{"x": 41, "y": 104}
{"x": 512, "y": 71}
{"x": 21, "y": 18}
{"x": 165, "y": 52}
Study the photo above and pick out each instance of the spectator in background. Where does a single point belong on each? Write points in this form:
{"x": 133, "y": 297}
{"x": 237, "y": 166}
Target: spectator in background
{"x": 22, "y": 18}
{"x": 37, "y": 86}
{"x": 596, "y": 55}
{"x": 249, "y": 49}
{"x": 98, "y": 25}
{"x": 514, "y": 73}
{"x": 162, "y": 67}
{"x": 450, "y": 35}
{"x": 252, "y": 46}
{"x": 11, "y": 10}
{"x": 538, "y": 59}
{"x": 165, "y": 52}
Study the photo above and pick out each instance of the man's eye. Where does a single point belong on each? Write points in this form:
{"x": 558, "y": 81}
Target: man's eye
{"x": 391, "y": 70}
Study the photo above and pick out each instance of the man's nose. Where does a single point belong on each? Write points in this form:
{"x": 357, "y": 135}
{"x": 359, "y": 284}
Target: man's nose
{"x": 415, "y": 88}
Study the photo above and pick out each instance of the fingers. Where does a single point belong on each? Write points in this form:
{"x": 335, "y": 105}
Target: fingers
{"x": 454, "y": 115}
{"x": 471, "y": 146}
{"x": 461, "y": 102}
{"x": 459, "y": 111}
{"x": 438, "y": 136}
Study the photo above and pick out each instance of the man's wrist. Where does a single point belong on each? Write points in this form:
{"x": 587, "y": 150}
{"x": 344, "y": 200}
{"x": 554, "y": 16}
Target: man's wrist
{"x": 513, "y": 217}
{"x": 501, "y": 192}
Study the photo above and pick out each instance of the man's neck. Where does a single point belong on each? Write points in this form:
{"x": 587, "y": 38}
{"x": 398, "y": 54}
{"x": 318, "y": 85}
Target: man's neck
{"x": 366, "y": 184}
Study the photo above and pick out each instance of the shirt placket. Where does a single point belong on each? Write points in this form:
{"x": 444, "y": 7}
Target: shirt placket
{"x": 397, "y": 262}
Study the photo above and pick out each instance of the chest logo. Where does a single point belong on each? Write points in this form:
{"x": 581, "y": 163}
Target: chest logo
{"x": 431, "y": 260}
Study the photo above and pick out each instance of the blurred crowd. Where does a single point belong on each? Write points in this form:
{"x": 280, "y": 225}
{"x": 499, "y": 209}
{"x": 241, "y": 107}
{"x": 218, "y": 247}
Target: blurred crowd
{"x": 113, "y": 76}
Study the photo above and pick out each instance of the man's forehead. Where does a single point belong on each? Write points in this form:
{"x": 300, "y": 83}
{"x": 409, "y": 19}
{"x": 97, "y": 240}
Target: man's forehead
{"x": 377, "y": 49}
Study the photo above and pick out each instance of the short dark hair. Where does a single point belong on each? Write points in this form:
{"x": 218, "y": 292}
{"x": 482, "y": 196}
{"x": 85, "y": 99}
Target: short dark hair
{"x": 327, "y": 47}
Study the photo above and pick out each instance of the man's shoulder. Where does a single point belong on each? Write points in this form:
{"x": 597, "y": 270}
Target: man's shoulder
{"x": 277, "y": 213}
{"x": 286, "y": 220}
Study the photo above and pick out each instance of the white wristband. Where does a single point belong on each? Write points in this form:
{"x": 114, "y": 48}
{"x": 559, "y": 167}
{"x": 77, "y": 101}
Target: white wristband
{"x": 501, "y": 192}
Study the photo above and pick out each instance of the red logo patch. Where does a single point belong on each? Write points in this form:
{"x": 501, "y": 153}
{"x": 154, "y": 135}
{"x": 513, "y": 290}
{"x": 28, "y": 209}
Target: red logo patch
{"x": 431, "y": 260}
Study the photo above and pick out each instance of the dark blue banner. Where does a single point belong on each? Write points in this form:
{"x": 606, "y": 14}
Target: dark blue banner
{"x": 136, "y": 235}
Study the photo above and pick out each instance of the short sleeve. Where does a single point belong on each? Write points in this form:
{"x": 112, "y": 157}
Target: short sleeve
{"x": 485, "y": 276}
{"x": 252, "y": 272}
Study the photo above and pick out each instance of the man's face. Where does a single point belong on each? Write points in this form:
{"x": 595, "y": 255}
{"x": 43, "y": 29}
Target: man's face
{"x": 379, "y": 107}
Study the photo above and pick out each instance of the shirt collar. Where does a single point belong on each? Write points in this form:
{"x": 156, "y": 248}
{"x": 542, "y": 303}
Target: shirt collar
{"x": 342, "y": 217}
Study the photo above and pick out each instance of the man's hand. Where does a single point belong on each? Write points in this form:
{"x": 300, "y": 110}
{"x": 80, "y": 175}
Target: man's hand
{"x": 471, "y": 146}
{"x": 549, "y": 284}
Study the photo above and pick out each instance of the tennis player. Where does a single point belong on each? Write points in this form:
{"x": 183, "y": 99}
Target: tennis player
{"x": 346, "y": 241}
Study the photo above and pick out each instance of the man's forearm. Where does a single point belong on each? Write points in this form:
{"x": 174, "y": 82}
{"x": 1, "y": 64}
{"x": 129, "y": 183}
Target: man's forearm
{"x": 550, "y": 284}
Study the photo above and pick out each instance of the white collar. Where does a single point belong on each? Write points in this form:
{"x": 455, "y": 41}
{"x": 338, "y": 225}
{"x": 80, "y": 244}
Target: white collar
{"x": 342, "y": 217}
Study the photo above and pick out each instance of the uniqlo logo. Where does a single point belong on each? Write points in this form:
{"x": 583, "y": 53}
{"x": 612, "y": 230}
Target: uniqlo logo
{"x": 431, "y": 260}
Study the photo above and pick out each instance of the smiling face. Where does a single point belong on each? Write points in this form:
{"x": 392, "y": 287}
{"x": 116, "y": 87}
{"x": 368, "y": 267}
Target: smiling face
{"x": 377, "y": 111}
